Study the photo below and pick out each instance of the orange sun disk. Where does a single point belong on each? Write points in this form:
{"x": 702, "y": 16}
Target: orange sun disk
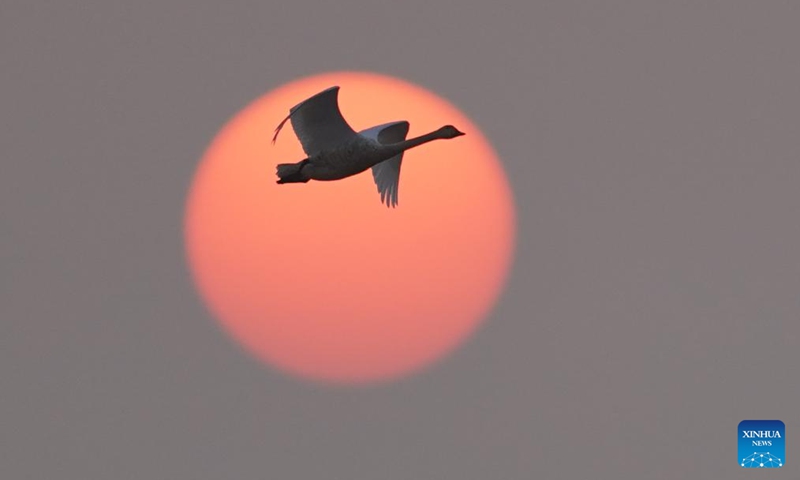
{"x": 323, "y": 281}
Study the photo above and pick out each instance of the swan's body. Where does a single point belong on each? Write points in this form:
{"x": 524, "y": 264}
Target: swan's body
{"x": 335, "y": 151}
{"x": 350, "y": 158}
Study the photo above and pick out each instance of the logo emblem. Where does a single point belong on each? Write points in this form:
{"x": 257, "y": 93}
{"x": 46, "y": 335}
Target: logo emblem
{"x": 762, "y": 444}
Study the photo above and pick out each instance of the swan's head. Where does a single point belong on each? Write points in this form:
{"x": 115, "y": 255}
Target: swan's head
{"x": 449, "y": 131}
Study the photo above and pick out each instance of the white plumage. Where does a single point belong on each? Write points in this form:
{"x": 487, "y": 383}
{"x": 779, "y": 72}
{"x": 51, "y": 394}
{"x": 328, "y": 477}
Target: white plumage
{"x": 336, "y": 151}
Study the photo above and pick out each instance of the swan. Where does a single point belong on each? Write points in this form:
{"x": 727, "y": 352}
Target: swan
{"x": 335, "y": 151}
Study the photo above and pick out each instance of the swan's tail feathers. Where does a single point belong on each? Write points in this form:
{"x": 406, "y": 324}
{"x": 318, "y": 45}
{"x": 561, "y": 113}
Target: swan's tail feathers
{"x": 290, "y": 172}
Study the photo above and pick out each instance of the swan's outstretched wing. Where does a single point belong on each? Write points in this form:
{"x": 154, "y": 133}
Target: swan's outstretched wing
{"x": 318, "y": 123}
{"x": 387, "y": 173}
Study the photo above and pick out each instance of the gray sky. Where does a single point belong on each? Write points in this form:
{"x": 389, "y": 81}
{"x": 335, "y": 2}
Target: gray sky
{"x": 653, "y": 303}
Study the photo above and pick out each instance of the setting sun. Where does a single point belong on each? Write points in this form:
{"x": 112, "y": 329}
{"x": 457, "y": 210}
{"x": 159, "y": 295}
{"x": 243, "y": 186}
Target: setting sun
{"x": 321, "y": 279}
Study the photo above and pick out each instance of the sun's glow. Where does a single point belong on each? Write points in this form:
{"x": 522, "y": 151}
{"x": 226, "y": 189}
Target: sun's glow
{"x": 323, "y": 281}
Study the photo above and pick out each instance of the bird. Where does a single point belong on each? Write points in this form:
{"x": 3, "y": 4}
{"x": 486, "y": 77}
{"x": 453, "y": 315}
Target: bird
{"x": 335, "y": 151}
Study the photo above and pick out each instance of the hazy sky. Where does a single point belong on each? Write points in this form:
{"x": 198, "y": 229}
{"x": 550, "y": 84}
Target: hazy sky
{"x": 653, "y": 151}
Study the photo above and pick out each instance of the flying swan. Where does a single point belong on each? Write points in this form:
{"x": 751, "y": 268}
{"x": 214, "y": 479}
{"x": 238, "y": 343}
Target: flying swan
{"x": 336, "y": 151}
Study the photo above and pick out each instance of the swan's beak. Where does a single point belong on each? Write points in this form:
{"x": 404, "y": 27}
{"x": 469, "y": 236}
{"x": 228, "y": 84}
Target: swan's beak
{"x": 460, "y": 134}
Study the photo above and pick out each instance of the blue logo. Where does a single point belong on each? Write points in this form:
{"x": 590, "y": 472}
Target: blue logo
{"x": 762, "y": 444}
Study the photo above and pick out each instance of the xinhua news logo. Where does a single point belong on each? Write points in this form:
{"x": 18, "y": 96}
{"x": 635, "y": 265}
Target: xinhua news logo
{"x": 762, "y": 444}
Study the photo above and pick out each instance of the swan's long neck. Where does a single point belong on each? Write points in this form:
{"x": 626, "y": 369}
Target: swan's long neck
{"x": 416, "y": 141}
